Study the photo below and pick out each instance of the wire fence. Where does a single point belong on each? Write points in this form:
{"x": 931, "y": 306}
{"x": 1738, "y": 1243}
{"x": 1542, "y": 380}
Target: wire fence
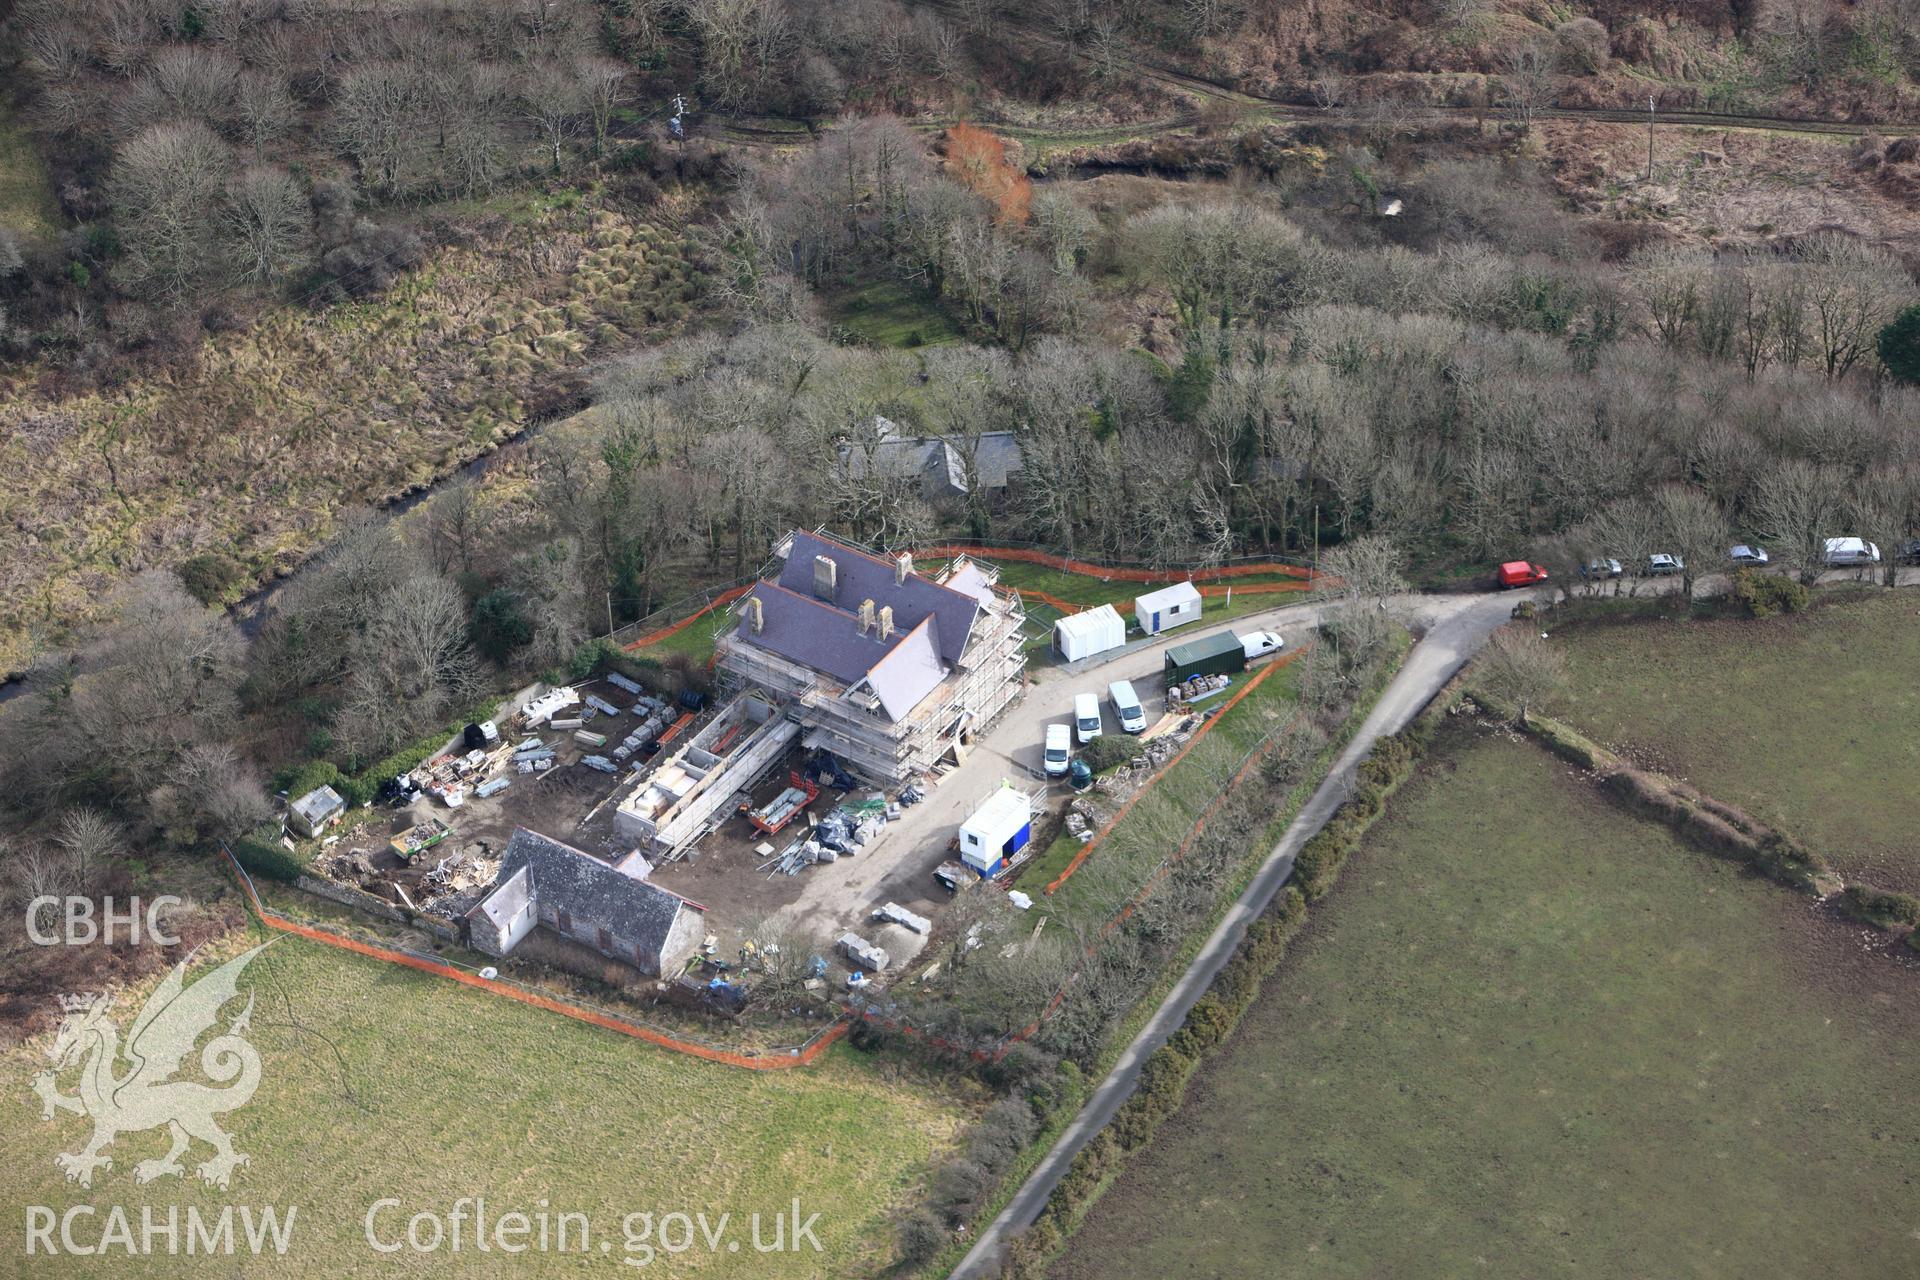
{"x": 669, "y": 619}
{"x": 1125, "y": 570}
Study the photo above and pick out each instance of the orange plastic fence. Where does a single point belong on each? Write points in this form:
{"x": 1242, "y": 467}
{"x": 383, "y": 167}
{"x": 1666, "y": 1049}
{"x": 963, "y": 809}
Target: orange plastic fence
{"x": 1211, "y": 591}
{"x": 1206, "y": 728}
{"x": 1091, "y": 569}
{"x": 726, "y": 597}
{"x": 752, "y": 1062}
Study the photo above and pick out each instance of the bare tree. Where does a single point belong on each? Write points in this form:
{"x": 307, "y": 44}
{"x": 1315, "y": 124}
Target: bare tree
{"x": 1796, "y": 505}
{"x": 267, "y": 220}
{"x": 553, "y": 99}
{"x": 604, "y": 85}
{"x": 1519, "y": 668}
{"x": 1529, "y": 79}
{"x": 1854, "y": 290}
{"x": 1693, "y": 528}
{"x": 1884, "y": 508}
{"x": 166, "y": 189}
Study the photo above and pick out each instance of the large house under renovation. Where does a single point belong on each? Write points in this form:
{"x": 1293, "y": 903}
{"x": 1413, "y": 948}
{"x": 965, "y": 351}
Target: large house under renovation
{"x": 887, "y": 668}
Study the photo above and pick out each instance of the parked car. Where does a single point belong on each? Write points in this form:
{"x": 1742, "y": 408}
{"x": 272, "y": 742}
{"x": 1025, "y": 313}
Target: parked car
{"x": 1748, "y": 556}
{"x": 1258, "y": 644}
{"x": 1605, "y": 567}
{"x": 1520, "y": 573}
{"x": 1661, "y": 565}
{"x": 1841, "y": 553}
{"x": 1086, "y": 718}
{"x": 1054, "y": 757}
{"x": 1126, "y": 707}
{"x": 1910, "y": 551}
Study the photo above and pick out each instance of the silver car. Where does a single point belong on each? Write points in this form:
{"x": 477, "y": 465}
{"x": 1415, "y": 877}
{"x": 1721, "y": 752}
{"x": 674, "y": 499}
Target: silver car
{"x": 1748, "y": 556}
{"x": 1661, "y": 565}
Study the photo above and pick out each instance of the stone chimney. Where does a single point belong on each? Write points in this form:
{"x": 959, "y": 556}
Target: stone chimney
{"x": 826, "y": 577}
{"x": 886, "y": 621}
{"x": 902, "y": 567}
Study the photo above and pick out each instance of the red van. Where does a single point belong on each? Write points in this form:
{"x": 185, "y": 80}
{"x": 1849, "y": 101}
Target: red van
{"x": 1518, "y": 573}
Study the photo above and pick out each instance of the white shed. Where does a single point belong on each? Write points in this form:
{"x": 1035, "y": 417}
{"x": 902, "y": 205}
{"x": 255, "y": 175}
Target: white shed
{"x": 1081, "y": 635}
{"x": 1167, "y": 608}
{"x": 997, "y": 830}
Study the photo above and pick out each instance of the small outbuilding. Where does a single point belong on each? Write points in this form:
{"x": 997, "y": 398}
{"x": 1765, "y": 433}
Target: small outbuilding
{"x": 1081, "y": 635}
{"x": 315, "y": 811}
{"x": 1221, "y": 653}
{"x": 1167, "y": 608}
{"x": 998, "y": 829}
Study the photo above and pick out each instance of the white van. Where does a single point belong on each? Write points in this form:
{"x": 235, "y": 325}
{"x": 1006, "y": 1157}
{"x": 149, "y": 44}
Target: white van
{"x": 1839, "y": 553}
{"x": 1054, "y": 758}
{"x": 1258, "y": 644}
{"x": 1086, "y": 718}
{"x": 1126, "y": 705}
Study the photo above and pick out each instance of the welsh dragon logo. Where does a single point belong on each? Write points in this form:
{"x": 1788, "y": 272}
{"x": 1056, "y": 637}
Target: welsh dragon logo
{"x": 143, "y": 1095}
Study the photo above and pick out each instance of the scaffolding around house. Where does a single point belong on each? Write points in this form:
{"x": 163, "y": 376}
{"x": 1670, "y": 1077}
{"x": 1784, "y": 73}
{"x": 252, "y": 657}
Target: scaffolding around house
{"x": 850, "y": 722}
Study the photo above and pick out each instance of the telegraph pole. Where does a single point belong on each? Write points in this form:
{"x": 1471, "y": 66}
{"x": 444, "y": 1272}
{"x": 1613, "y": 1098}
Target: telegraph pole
{"x": 1649, "y": 137}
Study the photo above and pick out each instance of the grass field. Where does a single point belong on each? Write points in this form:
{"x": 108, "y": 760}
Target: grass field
{"x": 26, "y": 201}
{"x": 380, "y": 1082}
{"x": 1812, "y": 721}
{"x": 890, "y": 312}
{"x": 1529, "y": 1035}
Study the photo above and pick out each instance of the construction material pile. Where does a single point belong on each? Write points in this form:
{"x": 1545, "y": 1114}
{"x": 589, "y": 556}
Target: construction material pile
{"x": 894, "y": 913}
{"x": 533, "y": 756}
{"x": 655, "y": 717}
{"x": 1081, "y": 820}
{"x": 1195, "y": 688}
{"x": 861, "y": 952}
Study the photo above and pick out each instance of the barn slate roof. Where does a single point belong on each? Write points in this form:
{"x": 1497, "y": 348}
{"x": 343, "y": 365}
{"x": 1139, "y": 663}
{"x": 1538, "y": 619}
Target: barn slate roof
{"x": 591, "y": 891}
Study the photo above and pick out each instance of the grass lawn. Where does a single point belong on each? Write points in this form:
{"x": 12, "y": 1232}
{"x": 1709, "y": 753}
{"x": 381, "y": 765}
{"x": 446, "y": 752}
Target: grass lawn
{"x": 26, "y": 201}
{"x": 696, "y": 640}
{"x": 381, "y": 1082}
{"x": 890, "y": 312}
{"x": 1811, "y": 721}
{"x": 1531, "y": 1035}
{"x": 1086, "y": 591}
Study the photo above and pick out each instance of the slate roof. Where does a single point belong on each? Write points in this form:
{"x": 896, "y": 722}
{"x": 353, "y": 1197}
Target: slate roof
{"x": 592, "y": 892}
{"x": 937, "y": 461}
{"x": 910, "y": 671}
{"x": 969, "y": 579}
{"x": 861, "y": 576}
{"x": 813, "y": 633}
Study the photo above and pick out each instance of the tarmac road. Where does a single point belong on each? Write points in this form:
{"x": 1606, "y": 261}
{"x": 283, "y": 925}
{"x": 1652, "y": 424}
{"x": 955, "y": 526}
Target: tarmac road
{"x": 1456, "y": 628}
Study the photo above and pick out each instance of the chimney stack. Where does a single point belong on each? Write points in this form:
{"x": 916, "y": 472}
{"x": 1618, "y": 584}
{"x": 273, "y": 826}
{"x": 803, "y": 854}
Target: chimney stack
{"x": 756, "y": 617}
{"x": 826, "y": 577}
{"x": 866, "y": 616}
{"x": 902, "y": 566}
{"x": 886, "y": 621}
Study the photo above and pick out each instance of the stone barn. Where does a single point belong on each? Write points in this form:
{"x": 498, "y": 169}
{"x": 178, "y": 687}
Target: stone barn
{"x": 610, "y": 909}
